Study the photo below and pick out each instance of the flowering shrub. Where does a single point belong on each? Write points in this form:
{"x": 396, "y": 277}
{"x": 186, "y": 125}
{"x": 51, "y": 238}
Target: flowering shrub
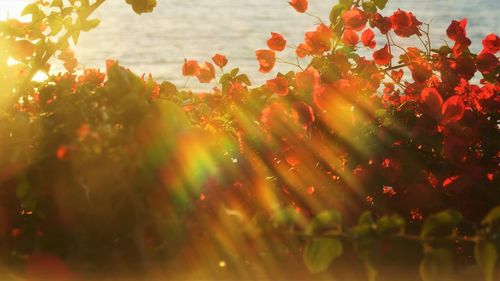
{"x": 375, "y": 156}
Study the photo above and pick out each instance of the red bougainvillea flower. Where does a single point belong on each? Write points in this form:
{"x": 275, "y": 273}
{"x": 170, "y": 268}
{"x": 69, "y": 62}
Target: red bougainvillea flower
{"x": 453, "y": 109}
{"x": 206, "y": 72}
{"x": 21, "y": 49}
{"x": 328, "y": 96}
{"x": 397, "y": 75}
{"x": 456, "y": 32}
{"x": 237, "y": 91}
{"x": 405, "y": 24}
{"x": 274, "y": 117}
{"x": 491, "y": 44}
{"x": 92, "y": 76}
{"x": 276, "y": 42}
{"x": 367, "y": 38}
{"x": 454, "y": 149}
{"x": 190, "y": 68}
{"x": 432, "y": 102}
{"x": 350, "y": 38}
{"x": 303, "y": 113}
{"x": 46, "y": 266}
{"x": 302, "y": 50}
{"x": 299, "y": 5}
{"x": 278, "y": 85}
{"x": 266, "y": 59}
{"x": 219, "y": 60}
{"x": 68, "y": 57}
{"x": 306, "y": 80}
{"x": 318, "y": 41}
{"x": 382, "y": 56}
{"x": 486, "y": 63}
{"x": 420, "y": 68}
{"x": 62, "y": 152}
{"x": 354, "y": 19}
{"x": 384, "y": 24}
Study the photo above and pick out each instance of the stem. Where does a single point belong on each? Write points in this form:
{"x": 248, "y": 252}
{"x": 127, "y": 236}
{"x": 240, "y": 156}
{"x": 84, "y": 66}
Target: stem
{"x": 390, "y": 49}
{"x": 288, "y": 62}
{"x": 406, "y": 237}
{"x": 314, "y": 16}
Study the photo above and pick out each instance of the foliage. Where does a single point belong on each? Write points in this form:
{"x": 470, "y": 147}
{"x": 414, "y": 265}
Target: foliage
{"x": 372, "y": 156}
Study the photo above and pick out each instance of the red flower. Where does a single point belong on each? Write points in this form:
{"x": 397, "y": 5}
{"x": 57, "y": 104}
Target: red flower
{"x": 237, "y": 91}
{"x": 405, "y": 24}
{"x": 453, "y": 109}
{"x": 420, "y": 68}
{"x": 307, "y": 79}
{"x": 92, "y": 76}
{"x": 397, "y": 75}
{"x": 350, "y": 38}
{"x": 330, "y": 96}
{"x": 491, "y": 44}
{"x": 302, "y": 50}
{"x": 299, "y": 5}
{"x": 46, "y": 266}
{"x": 190, "y": 68}
{"x": 276, "y": 42}
{"x": 382, "y": 56}
{"x": 367, "y": 38}
{"x": 278, "y": 85}
{"x": 486, "y": 63}
{"x": 318, "y": 41}
{"x": 384, "y": 24}
{"x": 219, "y": 60}
{"x": 456, "y": 30}
{"x": 303, "y": 113}
{"x": 266, "y": 59}
{"x": 206, "y": 72}
{"x": 62, "y": 152}
{"x": 354, "y": 19}
{"x": 432, "y": 102}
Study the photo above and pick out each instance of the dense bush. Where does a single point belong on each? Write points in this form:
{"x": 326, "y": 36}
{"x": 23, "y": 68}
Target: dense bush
{"x": 384, "y": 162}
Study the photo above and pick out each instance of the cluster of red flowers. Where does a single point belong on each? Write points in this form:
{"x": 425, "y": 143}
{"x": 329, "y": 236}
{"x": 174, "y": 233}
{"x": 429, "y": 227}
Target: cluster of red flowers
{"x": 204, "y": 72}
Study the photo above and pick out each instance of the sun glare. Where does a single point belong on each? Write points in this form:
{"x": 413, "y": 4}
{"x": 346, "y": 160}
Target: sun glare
{"x": 11, "y": 8}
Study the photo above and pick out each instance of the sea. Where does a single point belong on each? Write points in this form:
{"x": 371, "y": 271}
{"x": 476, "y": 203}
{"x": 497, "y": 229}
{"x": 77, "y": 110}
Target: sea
{"x": 158, "y": 42}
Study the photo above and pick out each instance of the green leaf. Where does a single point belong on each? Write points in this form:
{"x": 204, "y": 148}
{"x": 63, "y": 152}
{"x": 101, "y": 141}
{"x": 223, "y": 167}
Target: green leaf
{"x": 390, "y": 224}
{"x": 89, "y": 24}
{"x": 369, "y": 7}
{"x": 57, "y": 3}
{"x": 55, "y": 23}
{"x": 492, "y": 216}
{"x": 287, "y": 217}
{"x": 380, "y": 3}
{"x": 31, "y": 9}
{"x": 346, "y": 3}
{"x": 75, "y": 35}
{"x": 234, "y": 72}
{"x": 243, "y": 78}
{"x": 326, "y": 220}
{"x": 335, "y": 12}
{"x": 486, "y": 256}
{"x": 66, "y": 11}
{"x": 319, "y": 253}
{"x": 436, "y": 265}
{"x": 441, "y": 223}
{"x": 366, "y": 218}
{"x": 142, "y": 6}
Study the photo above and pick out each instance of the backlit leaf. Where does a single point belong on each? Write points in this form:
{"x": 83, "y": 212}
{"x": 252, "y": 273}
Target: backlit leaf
{"x": 486, "y": 256}
{"x": 319, "y": 253}
{"x": 436, "y": 265}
